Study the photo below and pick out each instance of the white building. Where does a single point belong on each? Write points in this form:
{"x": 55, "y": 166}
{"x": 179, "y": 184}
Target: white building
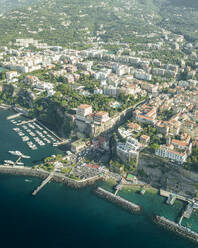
{"x": 101, "y": 117}
{"x": 166, "y": 152}
{"x": 82, "y": 111}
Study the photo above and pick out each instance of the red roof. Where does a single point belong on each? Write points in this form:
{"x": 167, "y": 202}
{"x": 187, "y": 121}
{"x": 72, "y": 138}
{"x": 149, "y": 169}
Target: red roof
{"x": 84, "y": 106}
{"x": 92, "y": 166}
{"x": 101, "y": 113}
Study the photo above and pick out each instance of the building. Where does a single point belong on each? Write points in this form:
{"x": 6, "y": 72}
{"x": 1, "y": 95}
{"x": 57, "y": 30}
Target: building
{"x": 83, "y": 111}
{"x": 145, "y": 119}
{"x": 134, "y": 127}
{"x": 168, "y": 152}
{"x": 11, "y": 74}
{"x": 144, "y": 139}
{"x": 101, "y": 117}
{"x": 77, "y": 146}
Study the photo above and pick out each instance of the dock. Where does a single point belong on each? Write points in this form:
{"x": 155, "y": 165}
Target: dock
{"x": 35, "y": 192}
{"x": 13, "y": 116}
{"x": 50, "y": 131}
{"x": 4, "y": 106}
{"x": 63, "y": 142}
{"x": 188, "y": 211}
{"x": 171, "y": 199}
{"x": 26, "y": 122}
{"x": 118, "y": 187}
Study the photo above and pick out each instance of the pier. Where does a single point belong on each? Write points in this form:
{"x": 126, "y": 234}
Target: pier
{"x": 63, "y": 142}
{"x": 191, "y": 204}
{"x": 26, "y": 122}
{"x": 172, "y": 197}
{"x": 50, "y": 131}
{"x": 4, "y": 106}
{"x": 118, "y": 187}
{"x": 188, "y": 211}
{"x": 130, "y": 206}
{"x": 35, "y": 192}
{"x": 13, "y": 116}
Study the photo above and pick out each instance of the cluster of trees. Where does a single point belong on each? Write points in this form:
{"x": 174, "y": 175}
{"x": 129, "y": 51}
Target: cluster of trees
{"x": 116, "y": 165}
{"x": 192, "y": 161}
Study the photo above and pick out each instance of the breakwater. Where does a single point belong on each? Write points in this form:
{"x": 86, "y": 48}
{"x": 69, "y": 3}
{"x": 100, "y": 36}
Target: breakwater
{"x": 57, "y": 177}
{"x": 174, "y": 227}
{"x": 117, "y": 200}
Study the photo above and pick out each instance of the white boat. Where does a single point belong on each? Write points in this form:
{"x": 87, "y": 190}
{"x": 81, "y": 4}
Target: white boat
{"x": 13, "y": 153}
{"x": 20, "y": 163}
{"x": 18, "y": 153}
{"x": 9, "y": 162}
{"x": 28, "y": 181}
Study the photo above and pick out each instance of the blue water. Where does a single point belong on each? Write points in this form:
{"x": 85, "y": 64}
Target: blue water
{"x": 60, "y": 217}
{"x": 10, "y": 140}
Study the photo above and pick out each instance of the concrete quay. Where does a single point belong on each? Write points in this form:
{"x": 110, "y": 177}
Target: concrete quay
{"x": 130, "y": 206}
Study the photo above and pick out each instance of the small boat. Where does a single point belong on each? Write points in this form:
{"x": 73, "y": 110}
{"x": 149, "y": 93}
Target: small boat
{"x": 28, "y": 181}
{"x": 20, "y": 163}
{"x": 9, "y": 162}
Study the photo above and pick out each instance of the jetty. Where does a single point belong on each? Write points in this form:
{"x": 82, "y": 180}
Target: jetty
{"x": 130, "y": 206}
{"x": 13, "y": 116}
{"x": 174, "y": 227}
{"x": 35, "y": 192}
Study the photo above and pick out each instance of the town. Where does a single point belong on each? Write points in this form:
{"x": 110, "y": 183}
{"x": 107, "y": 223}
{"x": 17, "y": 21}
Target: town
{"x": 114, "y": 107}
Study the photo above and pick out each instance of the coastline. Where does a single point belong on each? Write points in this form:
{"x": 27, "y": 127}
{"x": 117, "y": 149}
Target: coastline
{"x": 59, "y": 178}
{"x": 137, "y": 188}
{"x": 102, "y": 193}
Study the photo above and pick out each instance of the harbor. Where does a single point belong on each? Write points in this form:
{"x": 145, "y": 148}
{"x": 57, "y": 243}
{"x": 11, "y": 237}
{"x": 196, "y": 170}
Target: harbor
{"x": 122, "y": 198}
{"x": 25, "y": 135}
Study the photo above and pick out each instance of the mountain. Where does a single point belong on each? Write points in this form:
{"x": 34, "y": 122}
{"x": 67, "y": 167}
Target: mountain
{"x": 7, "y": 5}
{"x": 79, "y": 23}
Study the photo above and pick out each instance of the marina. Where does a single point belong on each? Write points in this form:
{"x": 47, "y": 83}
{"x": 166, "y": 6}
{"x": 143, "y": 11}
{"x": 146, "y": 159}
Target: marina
{"x": 33, "y": 134}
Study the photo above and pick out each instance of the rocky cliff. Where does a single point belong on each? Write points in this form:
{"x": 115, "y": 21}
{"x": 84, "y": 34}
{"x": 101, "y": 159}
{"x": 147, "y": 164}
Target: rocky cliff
{"x": 164, "y": 175}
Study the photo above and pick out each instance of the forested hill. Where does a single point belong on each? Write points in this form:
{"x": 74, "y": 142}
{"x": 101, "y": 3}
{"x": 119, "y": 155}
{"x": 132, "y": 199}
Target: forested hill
{"x": 179, "y": 16}
{"x": 82, "y": 22}
{"x": 6, "y": 5}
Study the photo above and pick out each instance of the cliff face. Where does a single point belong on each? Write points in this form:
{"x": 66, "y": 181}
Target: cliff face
{"x": 86, "y": 129}
{"x": 169, "y": 177}
{"x": 54, "y": 117}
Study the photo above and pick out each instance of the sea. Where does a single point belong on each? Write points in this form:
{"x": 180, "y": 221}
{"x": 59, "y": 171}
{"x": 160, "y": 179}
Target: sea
{"x": 60, "y": 217}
